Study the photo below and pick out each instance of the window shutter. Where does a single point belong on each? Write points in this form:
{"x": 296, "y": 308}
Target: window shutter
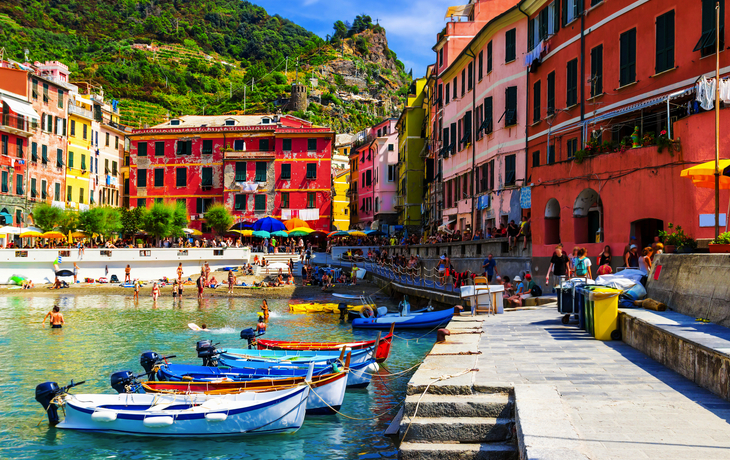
{"x": 669, "y": 40}
{"x": 565, "y": 12}
{"x": 64, "y": 126}
{"x": 530, "y": 34}
{"x": 189, "y": 147}
{"x": 660, "y": 44}
{"x": 556, "y": 16}
{"x": 43, "y": 122}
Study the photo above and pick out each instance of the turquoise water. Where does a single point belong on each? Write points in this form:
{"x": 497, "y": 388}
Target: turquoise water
{"x": 107, "y": 333}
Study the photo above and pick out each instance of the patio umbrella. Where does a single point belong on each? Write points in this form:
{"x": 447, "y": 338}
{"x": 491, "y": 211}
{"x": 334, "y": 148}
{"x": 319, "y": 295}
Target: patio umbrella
{"x": 31, "y": 234}
{"x": 373, "y": 233}
{"x": 78, "y": 234}
{"x": 318, "y": 234}
{"x": 356, "y": 233}
{"x": 242, "y": 226}
{"x": 268, "y": 224}
{"x": 703, "y": 176}
{"x": 291, "y": 224}
{"x": 280, "y": 233}
{"x": 337, "y": 233}
{"x": 192, "y": 231}
{"x": 261, "y": 234}
{"x": 298, "y": 233}
{"x": 246, "y": 232}
{"x": 306, "y": 230}
{"x": 31, "y": 229}
{"x": 54, "y": 235}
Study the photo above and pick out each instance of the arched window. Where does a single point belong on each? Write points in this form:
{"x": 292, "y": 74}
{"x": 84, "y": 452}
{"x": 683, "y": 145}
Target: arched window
{"x": 552, "y": 222}
{"x": 588, "y": 217}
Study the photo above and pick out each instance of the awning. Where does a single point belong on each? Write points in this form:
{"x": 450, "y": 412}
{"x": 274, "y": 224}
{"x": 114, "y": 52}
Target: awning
{"x": 461, "y": 10}
{"x": 8, "y": 217}
{"x": 21, "y": 107}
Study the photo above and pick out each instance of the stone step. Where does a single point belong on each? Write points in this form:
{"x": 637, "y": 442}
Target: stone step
{"x": 456, "y": 429}
{"x": 475, "y": 405}
{"x": 457, "y": 451}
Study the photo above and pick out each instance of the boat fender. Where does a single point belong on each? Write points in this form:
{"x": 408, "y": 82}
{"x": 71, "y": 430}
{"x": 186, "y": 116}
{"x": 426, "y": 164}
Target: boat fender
{"x": 367, "y": 312}
{"x": 373, "y": 367}
{"x": 104, "y": 416}
{"x": 216, "y": 417}
{"x": 158, "y": 422}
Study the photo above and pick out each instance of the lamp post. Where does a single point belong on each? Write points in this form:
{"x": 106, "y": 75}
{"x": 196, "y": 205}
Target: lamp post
{"x": 717, "y": 120}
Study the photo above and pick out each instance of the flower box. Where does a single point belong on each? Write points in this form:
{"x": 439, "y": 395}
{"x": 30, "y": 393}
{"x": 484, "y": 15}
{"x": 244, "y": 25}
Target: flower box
{"x": 719, "y": 248}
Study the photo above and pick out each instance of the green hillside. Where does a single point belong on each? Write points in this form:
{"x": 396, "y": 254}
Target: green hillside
{"x": 203, "y": 54}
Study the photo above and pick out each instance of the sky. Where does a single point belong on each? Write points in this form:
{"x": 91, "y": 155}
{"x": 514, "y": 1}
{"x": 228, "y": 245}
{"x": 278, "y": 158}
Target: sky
{"x": 411, "y": 26}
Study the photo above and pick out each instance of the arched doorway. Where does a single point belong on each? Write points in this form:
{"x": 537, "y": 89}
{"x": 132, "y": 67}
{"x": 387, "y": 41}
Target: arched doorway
{"x": 645, "y": 230}
{"x": 552, "y": 222}
{"x": 588, "y": 217}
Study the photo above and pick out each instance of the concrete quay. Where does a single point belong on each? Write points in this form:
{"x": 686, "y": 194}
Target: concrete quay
{"x": 523, "y": 385}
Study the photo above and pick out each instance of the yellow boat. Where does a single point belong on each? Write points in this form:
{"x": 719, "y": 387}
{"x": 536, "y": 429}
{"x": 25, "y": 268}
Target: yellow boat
{"x": 323, "y": 307}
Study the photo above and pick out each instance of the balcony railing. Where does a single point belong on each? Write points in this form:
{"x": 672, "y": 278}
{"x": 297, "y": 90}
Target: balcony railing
{"x": 17, "y": 124}
{"x": 80, "y": 111}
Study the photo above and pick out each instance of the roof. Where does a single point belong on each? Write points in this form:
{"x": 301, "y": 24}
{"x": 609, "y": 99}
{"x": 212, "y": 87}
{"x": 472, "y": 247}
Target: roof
{"x": 194, "y": 121}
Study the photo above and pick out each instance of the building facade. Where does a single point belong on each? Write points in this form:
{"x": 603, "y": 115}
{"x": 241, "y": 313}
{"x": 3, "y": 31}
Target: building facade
{"x": 340, "y": 200}
{"x": 79, "y": 158}
{"x": 256, "y": 165}
{"x": 362, "y": 196}
{"x": 17, "y": 124}
{"x": 341, "y": 153}
{"x": 108, "y": 150}
{"x": 413, "y": 130}
{"x": 592, "y": 184}
{"x": 483, "y": 123}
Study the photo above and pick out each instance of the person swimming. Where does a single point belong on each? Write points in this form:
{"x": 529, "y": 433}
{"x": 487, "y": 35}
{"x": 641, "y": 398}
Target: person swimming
{"x": 57, "y": 320}
{"x": 261, "y": 326}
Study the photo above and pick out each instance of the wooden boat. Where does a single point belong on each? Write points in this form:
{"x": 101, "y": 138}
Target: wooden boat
{"x": 231, "y": 356}
{"x": 359, "y": 375}
{"x": 425, "y": 320}
{"x": 313, "y": 307}
{"x": 381, "y": 353}
{"x": 178, "y": 415}
{"x": 327, "y": 391}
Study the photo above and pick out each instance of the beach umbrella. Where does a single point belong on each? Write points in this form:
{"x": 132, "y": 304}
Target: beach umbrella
{"x": 268, "y": 224}
{"x": 54, "y": 235}
{"x": 242, "y": 226}
{"x": 78, "y": 234}
{"x": 291, "y": 224}
{"x": 298, "y": 232}
{"x": 305, "y": 230}
{"x": 246, "y": 232}
{"x": 261, "y": 234}
{"x": 192, "y": 231}
{"x": 337, "y": 234}
{"x": 373, "y": 233}
{"x": 318, "y": 234}
{"x": 31, "y": 234}
{"x": 280, "y": 233}
{"x": 356, "y": 233}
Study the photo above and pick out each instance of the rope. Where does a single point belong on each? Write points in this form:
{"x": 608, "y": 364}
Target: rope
{"x": 311, "y": 389}
{"x": 418, "y": 403}
{"x": 393, "y": 374}
{"x": 419, "y": 337}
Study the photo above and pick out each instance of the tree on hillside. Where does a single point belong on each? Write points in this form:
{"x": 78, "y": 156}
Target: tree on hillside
{"x": 47, "y": 217}
{"x": 362, "y": 23}
{"x": 219, "y": 219}
{"x": 340, "y": 31}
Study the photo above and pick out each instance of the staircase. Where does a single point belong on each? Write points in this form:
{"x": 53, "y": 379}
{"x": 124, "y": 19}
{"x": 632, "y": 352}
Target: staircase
{"x": 277, "y": 258}
{"x": 475, "y": 426}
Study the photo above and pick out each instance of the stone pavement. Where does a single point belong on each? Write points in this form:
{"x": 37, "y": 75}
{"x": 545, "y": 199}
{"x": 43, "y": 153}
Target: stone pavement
{"x": 621, "y": 404}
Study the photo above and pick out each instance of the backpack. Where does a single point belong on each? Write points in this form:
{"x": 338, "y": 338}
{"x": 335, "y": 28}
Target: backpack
{"x": 580, "y": 267}
{"x": 536, "y": 291}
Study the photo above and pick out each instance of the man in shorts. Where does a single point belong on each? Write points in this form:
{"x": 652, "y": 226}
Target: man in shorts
{"x": 490, "y": 267}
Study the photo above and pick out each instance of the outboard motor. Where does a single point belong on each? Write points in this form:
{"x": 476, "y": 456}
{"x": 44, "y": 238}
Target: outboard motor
{"x": 148, "y": 360}
{"x": 44, "y": 394}
{"x": 206, "y": 350}
{"x": 125, "y": 382}
{"x": 343, "y": 311}
{"x": 249, "y": 335}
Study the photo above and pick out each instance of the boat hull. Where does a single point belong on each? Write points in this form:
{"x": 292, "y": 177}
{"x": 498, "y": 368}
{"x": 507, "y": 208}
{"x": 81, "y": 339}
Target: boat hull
{"x": 427, "y": 320}
{"x": 188, "y": 415}
{"x": 233, "y": 355}
{"x": 381, "y": 354}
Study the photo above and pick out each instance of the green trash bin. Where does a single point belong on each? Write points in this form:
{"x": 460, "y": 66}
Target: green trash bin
{"x": 605, "y": 313}
{"x": 588, "y": 308}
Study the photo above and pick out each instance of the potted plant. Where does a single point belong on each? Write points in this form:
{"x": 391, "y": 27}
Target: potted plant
{"x": 721, "y": 244}
{"x": 675, "y": 240}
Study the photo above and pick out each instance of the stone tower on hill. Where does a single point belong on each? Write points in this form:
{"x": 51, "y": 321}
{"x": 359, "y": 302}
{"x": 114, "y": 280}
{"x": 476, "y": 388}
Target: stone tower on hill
{"x": 298, "y": 100}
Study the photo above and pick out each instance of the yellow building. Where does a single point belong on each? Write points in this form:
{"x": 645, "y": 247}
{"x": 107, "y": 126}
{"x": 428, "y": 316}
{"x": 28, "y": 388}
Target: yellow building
{"x": 340, "y": 201}
{"x": 79, "y": 159}
{"x": 412, "y": 137}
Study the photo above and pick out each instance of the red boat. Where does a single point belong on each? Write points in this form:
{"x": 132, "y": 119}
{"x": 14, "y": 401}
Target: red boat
{"x": 382, "y": 353}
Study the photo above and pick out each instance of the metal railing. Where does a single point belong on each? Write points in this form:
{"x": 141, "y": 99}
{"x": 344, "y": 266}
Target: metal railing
{"x": 76, "y": 110}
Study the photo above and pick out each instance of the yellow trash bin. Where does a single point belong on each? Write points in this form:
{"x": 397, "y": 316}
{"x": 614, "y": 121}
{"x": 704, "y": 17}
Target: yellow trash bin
{"x": 605, "y": 313}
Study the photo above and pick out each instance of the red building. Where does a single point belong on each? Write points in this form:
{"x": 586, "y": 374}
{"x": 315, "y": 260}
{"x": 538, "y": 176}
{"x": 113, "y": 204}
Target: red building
{"x": 262, "y": 165}
{"x": 599, "y": 71}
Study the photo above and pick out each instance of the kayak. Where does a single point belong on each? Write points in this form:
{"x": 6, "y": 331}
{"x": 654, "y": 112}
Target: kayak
{"x": 381, "y": 354}
{"x": 314, "y": 307}
{"x": 425, "y": 320}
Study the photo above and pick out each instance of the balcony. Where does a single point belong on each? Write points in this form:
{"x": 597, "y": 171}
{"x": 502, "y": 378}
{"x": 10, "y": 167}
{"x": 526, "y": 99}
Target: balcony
{"x": 80, "y": 111}
{"x": 16, "y": 124}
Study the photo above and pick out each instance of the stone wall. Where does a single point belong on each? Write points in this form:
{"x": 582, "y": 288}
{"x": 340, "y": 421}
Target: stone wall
{"x": 693, "y": 284}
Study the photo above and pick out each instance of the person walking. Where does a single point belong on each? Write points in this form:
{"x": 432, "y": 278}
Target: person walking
{"x": 76, "y": 272}
{"x": 128, "y": 274}
{"x": 179, "y": 272}
{"x": 558, "y": 267}
{"x": 231, "y": 281}
{"x": 490, "y": 267}
{"x": 57, "y": 320}
{"x": 604, "y": 258}
{"x": 582, "y": 264}
{"x": 201, "y": 284}
{"x": 155, "y": 291}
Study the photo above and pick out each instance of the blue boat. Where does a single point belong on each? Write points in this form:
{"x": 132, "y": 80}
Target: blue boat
{"x": 235, "y": 356}
{"x": 425, "y": 320}
{"x": 359, "y": 374}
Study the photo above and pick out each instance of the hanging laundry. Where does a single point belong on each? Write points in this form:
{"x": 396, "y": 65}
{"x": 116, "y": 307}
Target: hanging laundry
{"x": 705, "y": 90}
{"x": 725, "y": 91}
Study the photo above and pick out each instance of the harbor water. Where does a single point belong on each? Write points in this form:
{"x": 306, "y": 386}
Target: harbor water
{"x": 107, "y": 333}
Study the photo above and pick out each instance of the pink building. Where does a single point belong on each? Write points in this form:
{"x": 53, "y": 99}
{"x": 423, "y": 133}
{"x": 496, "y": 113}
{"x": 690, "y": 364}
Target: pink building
{"x": 482, "y": 125}
{"x": 385, "y": 173}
